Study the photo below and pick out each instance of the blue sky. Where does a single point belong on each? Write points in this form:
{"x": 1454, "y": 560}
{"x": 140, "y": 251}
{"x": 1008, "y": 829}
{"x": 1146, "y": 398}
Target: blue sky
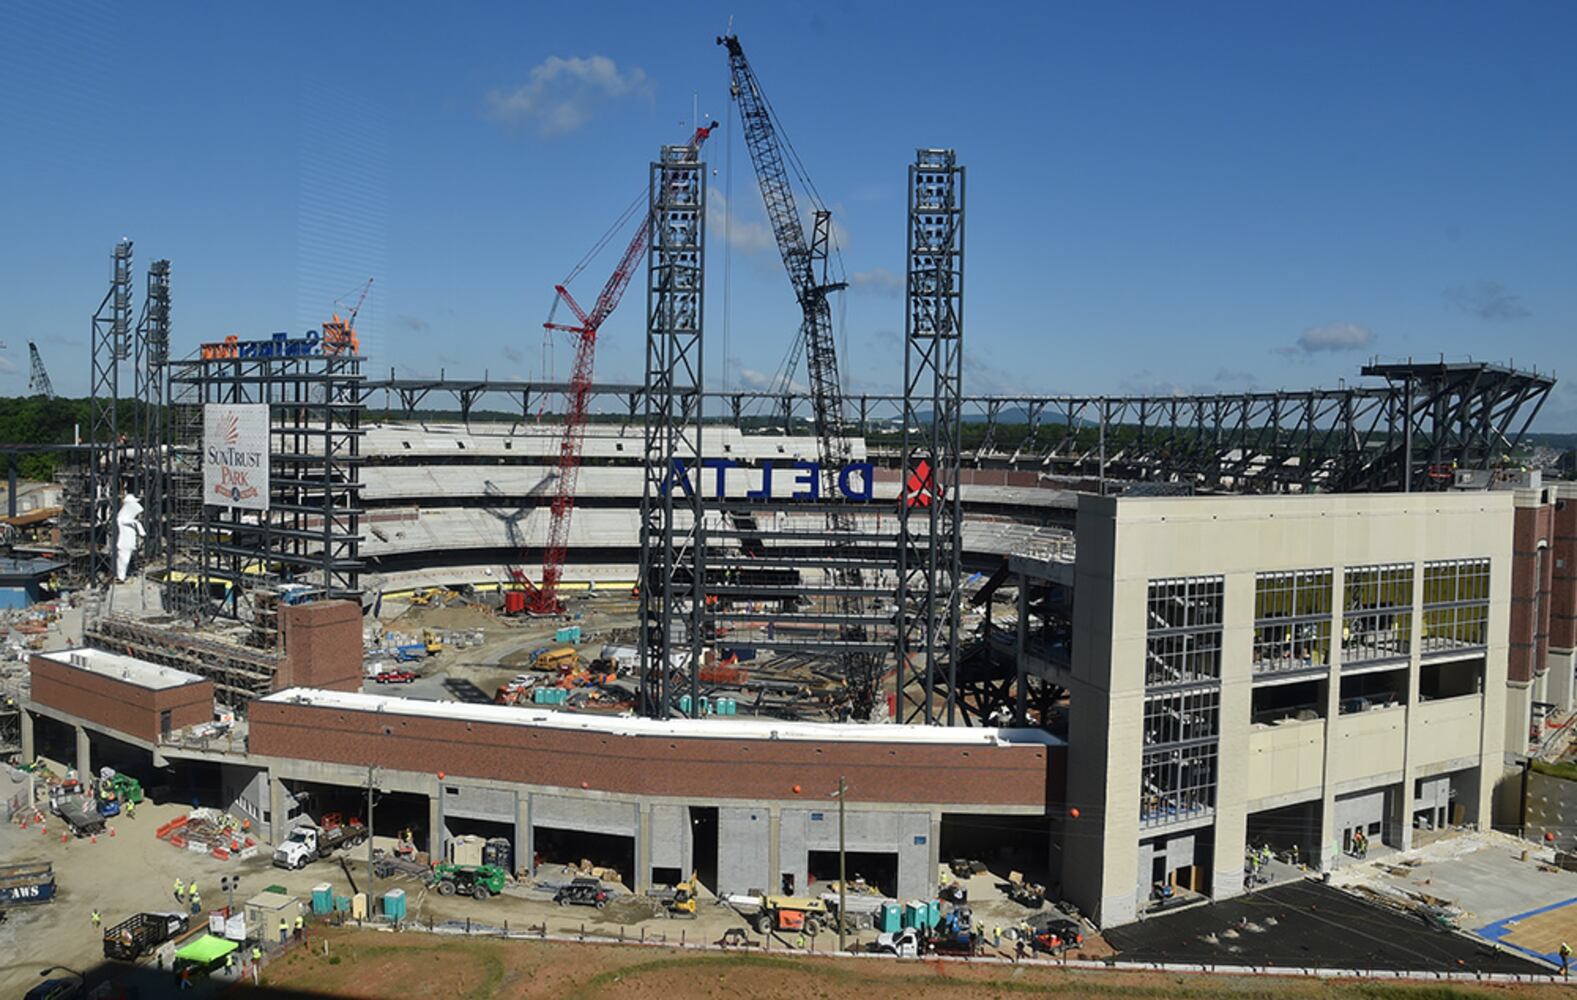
{"x": 1162, "y": 197}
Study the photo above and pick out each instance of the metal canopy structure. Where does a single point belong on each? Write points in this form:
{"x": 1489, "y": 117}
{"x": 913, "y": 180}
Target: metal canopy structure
{"x": 1348, "y": 438}
{"x": 673, "y": 558}
{"x": 930, "y": 511}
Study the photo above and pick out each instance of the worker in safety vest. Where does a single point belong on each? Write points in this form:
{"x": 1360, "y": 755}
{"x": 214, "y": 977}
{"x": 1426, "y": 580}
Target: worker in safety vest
{"x": 300, "y": 923}
{"x": 1566, "y": 959}
{"x": 180, "y": 891}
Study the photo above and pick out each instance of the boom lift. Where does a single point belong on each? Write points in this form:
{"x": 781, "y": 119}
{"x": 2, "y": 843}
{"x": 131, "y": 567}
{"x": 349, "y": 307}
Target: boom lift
{"x": 543, "y": 598}
{"x": 806, "y": 262}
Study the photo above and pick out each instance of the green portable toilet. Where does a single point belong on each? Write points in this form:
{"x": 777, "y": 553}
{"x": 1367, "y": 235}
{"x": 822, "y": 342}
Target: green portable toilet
{"x": 342, "y": 904}
{"x": 933, "y": 913}
{"x": 891, "y": 918}
{"x": 916, "y": 913}
{"x": 394, "y": 904}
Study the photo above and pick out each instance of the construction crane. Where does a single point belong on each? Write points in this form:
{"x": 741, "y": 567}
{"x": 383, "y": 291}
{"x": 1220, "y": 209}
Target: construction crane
{"x": 339, "y": 335}
{"x": 38, "y": 383}
{"x": 543, "y": 599}
{"x": 806, "y": 261}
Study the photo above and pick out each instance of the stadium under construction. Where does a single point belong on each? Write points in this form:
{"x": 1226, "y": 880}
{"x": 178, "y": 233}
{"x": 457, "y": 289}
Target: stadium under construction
{"x": 1109, "y": 641}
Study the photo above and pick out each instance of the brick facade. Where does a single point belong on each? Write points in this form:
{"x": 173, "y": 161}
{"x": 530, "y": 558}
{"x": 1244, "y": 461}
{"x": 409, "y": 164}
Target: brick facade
{"x": 322, "y": 646}
{"x": 1531, "y": 580}
{"x": 1563, "y": 577}
{"x": 118, "y": 705}
{"x": 681, "y": 767}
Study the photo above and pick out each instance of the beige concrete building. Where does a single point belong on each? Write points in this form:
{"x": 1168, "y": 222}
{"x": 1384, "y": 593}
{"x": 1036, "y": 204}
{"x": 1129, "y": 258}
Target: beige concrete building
{"x": 1284, "y": 670}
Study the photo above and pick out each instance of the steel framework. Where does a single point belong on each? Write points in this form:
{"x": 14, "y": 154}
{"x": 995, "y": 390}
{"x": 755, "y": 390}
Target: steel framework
{"x": 1348, "y": 438}
{"x": 673, "y": 558}
{"x": 930, "y": 511}
{"x": 227, "y": 562}
{"x": 150, "y": 377}
{"x": 38, "y": 383}
{"x": 92, "y": 494}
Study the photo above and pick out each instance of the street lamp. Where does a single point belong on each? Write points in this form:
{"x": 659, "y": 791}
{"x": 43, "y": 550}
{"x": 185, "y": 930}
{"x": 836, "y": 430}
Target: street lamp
{"x": 230, "y": 883}
{"x": 843, "y": 868}
{"x": 61, "y": 968}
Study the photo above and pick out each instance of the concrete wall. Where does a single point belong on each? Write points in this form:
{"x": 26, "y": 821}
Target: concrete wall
{"x": 1124, "y": 543}
{"x": 464, "y": 801}
{"x": 743, "y": 850}
{"x": 1552, "y": 807}
{"x": 590, "y": 815}
{"x": 906, "y": 834}
{"x": 1446, "y": 730}
{"x": 1286, "y": 762}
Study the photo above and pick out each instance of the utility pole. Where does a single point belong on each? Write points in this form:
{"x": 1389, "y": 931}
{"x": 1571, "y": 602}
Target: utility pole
{"x": 372, "y": 778}
{"x": 843, "y": 868}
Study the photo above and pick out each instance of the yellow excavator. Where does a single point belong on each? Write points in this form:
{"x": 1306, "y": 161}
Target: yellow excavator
{"x": 678, "y": 900}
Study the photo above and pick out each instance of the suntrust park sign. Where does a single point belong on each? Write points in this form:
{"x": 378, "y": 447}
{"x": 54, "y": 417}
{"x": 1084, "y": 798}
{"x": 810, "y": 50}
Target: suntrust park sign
{"x": 235, "y": 455}
{"x": 795, "y": 481}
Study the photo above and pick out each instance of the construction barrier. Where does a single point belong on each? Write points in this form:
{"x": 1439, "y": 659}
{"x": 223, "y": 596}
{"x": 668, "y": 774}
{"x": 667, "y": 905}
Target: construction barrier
{"x": 178, "y": 840}
{"x": 221, "y": 854}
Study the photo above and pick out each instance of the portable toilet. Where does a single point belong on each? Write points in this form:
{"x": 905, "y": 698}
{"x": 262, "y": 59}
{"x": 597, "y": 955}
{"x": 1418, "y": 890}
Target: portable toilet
{"x": 915, "y": 913}
{"x": 322, "y": 899}
{"x": 933, "y": 914}
{"x": 394, "y": 904}
{"x": 891, "y": 918}
{"x": 684, "y": 704}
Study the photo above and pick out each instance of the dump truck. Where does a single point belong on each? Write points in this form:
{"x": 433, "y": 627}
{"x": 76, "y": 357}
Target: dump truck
{"x": 138, "y": 935}
{"x": 307, "y": 844}
{"x": 477, "y": 881}
{"x": 26, "y": 883}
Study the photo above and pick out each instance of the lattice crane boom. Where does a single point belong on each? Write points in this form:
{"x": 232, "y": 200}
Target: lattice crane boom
{"x": 38, "y": 383}
{"x": 806, "y": 261}
{"x": 544, "y": 598}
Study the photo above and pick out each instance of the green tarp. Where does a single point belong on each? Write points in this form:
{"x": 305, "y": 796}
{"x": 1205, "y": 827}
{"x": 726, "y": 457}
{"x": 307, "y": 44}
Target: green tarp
{"x": 207, "y": 949}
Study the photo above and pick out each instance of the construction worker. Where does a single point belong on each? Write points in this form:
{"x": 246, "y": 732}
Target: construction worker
{"x": 284, "y": 930}
{"x": 996, "y": 935}
{"x": 131, "y": 810}
{"x": 1566, "y": 959}
{"x": 300, "y": 923}
{"x": 1018, "y": 949}
{"x": 230, "y": 964}
{"x": 97, "y": 920}
{"x": 180, "y": 891}
{"x": 257, "y": 955}
{"x": 799, "y": 942}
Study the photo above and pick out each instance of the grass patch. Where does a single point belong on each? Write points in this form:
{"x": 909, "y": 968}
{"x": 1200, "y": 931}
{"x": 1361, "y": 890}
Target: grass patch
{"x": 1563, "y": 769}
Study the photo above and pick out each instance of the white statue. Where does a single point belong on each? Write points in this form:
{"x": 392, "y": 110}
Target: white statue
{"x": 128, "y": 534}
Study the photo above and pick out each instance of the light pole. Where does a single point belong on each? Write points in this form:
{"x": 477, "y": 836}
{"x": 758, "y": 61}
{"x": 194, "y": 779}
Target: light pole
{"x": 230, "y": 883}
{"x": 372, "y": 779}
{"x": 62, "y": 968}
{"x": 843, "y": 868}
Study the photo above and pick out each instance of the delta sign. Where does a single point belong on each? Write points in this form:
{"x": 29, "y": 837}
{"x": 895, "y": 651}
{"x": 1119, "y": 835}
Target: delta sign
{"x": 796, "y": 481}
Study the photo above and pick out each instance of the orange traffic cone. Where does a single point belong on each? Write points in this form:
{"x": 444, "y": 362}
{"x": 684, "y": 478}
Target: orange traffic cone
{"x": 112, "y": 831}
{"x": 94, "y": 839}
{"x": 64, "y": 837}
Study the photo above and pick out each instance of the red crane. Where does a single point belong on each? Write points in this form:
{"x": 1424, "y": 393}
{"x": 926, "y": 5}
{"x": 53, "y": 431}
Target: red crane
{"x": 544, "y": 599}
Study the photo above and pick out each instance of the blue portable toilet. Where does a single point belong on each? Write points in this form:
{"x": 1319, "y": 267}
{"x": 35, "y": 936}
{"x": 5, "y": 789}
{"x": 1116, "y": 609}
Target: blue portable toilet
{"x": 322, "y": 899}
{"x": 933, "y": 913}
{"x": 684, "y": 704}
{"x": 394, "y": 904}
{"x": 891, "y": 918}
{"x": 915, "y": 913}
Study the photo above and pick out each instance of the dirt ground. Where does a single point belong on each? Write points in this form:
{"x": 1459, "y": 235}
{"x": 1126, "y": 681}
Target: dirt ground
{"x": 370, "y": 965}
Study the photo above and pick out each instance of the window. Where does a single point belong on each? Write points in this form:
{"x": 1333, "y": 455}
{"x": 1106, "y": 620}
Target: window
{"x": 1456, "y": 605}
{"x": 1292, "y": 620}
{"x": 1377, "y": 613}
{"x": 1184, "y": 631}
{"x": 1182, "y": 717}
{"x": 1177, "y": 785}
{"x": 1182, "y": 709}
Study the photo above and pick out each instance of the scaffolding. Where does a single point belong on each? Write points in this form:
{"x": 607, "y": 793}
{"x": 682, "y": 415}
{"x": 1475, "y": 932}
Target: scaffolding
{"x": 150, "y": 376}
{"x": 239, "y": 672}
{"x": 231, "y": 563}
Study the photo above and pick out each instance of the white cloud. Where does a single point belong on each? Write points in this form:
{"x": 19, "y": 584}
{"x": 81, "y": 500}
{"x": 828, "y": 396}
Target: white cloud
{"x": 561, "y": 95}
{"x": 749, "y": 235}
{"x": 1331, "y": 337}
{"x": 877, "y": 281}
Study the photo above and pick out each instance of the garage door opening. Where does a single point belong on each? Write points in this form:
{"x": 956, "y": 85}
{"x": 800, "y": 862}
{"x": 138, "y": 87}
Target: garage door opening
{"x": 877, "y": 868}
{"x": 1004, "y": 843}
{"x": 703, "y": 841}
{"x": 403, "y": 815}
{"x": 480, "y": 841}
{"x": 557, "y": 848}
{"x": 1289, "y": 828}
